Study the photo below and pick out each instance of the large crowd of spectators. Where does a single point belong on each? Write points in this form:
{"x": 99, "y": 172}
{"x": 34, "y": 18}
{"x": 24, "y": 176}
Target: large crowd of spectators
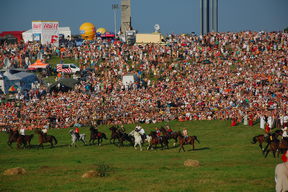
{"x": 215, "y": 76}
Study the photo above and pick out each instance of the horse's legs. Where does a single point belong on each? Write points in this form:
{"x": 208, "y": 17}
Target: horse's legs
{"x": 51, "y": 143}
{"x": 261, "y": 147}
{"x": 10, "y": 144}
{"x": 193, "y": 145}
{"x": 266, "y": 148}
{"x": 267, "y": 152}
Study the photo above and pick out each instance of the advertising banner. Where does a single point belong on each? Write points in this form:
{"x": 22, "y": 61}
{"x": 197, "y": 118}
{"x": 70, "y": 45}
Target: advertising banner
{"x": 48, "y": 30}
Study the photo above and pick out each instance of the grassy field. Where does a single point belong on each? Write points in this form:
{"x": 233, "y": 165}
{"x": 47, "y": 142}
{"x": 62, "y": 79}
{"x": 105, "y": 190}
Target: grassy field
{"x": 228, "y": 162}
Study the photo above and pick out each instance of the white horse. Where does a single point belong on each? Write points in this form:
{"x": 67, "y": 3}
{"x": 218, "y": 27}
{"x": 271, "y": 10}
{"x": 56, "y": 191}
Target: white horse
{"x": 138, "y": 139}
{"x": 75, "y": 139}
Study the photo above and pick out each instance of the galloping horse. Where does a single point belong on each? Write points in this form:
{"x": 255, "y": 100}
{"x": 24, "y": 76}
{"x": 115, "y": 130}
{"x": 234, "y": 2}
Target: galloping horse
{"x": 14, "y": 136}
{"x": 162, "y": 140}
{"x": 169, "y": 135}
{"x": 184, "y": 141}
{"x": 273, "y": 145}
{"x": 45, "y": 138}
{"x": 114, "y": 134}
{"x": 74, "y": 138}
{"x": 260, "y": 139}
{"x": 95, "y": 134}
{"x": 120, "y": 136}
{"x": 137, "y": 139}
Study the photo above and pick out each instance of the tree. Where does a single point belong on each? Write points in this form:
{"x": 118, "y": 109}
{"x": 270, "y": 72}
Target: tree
{"x": 286, "y": 30}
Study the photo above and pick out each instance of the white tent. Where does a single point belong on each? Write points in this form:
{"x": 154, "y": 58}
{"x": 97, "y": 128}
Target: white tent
{"x": 28, "y": 35}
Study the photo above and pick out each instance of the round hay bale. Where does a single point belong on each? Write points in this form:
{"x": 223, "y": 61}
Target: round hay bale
{"x": 191, "y": 163}
{"x": 14, "y": 171}
{"x": 90, "y": 174}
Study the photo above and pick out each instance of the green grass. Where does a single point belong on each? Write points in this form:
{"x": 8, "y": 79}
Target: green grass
{"x": 56, "y": 60}
{"x": 229, "y": 162}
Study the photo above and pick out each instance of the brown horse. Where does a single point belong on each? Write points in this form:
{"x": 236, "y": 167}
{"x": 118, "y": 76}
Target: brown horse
{"x": 169, "y": 135}
{"x": 96, "y": 135}
{"x": 43, "y": 138}
{"x": 185, "y": 141}
{"x": 260, "y": 139}
{"x": 14, "y": 136}
{"x": 273, "y": 145}
{"x": 162, "y": 140}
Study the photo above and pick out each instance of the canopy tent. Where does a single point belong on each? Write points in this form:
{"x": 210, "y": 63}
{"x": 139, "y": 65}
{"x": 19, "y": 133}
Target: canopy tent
{"x": 38, "y": 65}
{"x": 64, "y": 85}
{"x": 21, "y": 80}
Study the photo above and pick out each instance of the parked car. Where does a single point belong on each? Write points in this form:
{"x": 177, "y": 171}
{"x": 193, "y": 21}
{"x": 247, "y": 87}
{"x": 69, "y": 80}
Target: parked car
{"x": 67, "y": 68}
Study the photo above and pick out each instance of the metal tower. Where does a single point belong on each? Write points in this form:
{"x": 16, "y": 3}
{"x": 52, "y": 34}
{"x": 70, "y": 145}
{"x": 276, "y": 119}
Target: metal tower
{"x": 125, "y": 16}
{"x": 208, "y": 16}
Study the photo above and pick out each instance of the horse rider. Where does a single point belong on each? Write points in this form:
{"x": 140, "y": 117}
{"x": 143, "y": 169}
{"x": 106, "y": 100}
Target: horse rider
{"x": 185, "y": 133}
{"x": 169, "y": 130}
{"x": 158, "y": 133}
{"x": 285, "y": 134}
{"x": 142, "y": 133}
{"x": 121, "y": 129}
{"x": 76, "y": 131}
{"x": 22, "y": 131}
{"x": 44, "y": 131}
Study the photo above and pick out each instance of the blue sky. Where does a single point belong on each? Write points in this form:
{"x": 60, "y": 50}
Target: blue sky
{"x": 181, "y": 16}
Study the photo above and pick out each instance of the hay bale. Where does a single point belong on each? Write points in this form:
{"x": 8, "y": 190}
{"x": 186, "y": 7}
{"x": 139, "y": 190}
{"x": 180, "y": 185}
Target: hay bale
{"x": 14, "y": 171}
{"x": 90, "y": 174}
{"x": 191, "y": 163}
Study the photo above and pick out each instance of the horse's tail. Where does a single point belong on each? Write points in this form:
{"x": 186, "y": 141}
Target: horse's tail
{"x": 104, "y": 136}
{"x": 197, "y": 139}
{"x": 54, "y": 138}
{"x": 254, "y": 140}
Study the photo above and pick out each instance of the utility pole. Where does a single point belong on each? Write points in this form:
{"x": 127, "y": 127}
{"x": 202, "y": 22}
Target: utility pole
{"x": 115, "y": 7}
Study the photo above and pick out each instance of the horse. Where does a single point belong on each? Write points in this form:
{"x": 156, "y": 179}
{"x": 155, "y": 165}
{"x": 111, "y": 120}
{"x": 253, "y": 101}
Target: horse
{"x": 137, "y": 139}
{"x": 14, "y": 136}
{"x": 43, "y": 138}
{"x": 114, "y": 134}
{"x": 169, "y": 135}
{"x": 273, "y": 145}
{"x": 184, "y": 141}
{"x": 120, "y": 136}
{"x": 74, "y": 138}
{"x": 260, "y": 139}
{"x": 95, "y": 134}
{"x": 162, "y": 140}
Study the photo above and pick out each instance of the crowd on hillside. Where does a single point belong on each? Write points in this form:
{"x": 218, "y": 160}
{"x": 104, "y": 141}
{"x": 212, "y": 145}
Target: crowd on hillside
{"x": 215, "y": 76}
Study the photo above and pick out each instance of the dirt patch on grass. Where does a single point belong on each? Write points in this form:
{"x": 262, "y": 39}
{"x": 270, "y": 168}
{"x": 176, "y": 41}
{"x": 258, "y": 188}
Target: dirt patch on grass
{"x": 191, "y": 163}
{"x": 15, "y": 171}
{"x": 90, "y": 174}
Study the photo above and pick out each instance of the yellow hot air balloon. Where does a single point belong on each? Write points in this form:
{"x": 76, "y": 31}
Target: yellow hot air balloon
{"x": 87, "y": 31}
{"x": 101, "y": 30}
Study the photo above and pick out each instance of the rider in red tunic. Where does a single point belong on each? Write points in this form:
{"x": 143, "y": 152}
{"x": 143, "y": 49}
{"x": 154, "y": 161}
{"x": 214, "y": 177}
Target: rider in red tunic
{"x": 77, "y": 132}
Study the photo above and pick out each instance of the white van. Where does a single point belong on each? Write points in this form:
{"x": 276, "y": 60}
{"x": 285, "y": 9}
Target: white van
{"x": 67, "y": 68}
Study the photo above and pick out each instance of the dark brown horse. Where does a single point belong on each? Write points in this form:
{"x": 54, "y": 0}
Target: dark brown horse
{"x": 117, "y": 134}
{"x": 114, "y": 134}
{"x": 259, "y": 139}
{"x": 43, "y": 138}
{"x": 21, "y": 140}
{"x": 273, "y": 145}
{"x": 155, "y": 140}
{"x": 96, "y": 135}
{"x": 185, "y": 141}
{"x": 170, "y": 135}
